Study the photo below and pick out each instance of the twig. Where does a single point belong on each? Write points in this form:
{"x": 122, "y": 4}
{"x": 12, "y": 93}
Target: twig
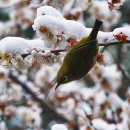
{"x": 52, "y": 51}
{"x": 107, "y": 44}
{"x": 114, "y": 43}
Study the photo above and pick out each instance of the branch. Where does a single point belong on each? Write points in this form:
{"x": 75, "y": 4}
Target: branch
{"x": 107, "y": 44}
{"x": 47, "y": 109}
{"x": 51, "y": 112}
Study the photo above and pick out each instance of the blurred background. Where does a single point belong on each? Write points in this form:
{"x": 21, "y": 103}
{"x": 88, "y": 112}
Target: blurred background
{"x": 101, "y": 97}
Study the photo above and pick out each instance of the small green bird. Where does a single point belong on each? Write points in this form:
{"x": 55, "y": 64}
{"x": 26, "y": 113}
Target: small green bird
{"x": 80, "y": 59}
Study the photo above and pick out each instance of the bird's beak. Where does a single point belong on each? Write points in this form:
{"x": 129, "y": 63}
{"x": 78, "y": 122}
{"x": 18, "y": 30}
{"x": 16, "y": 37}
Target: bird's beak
{"x": 58, "y": 84}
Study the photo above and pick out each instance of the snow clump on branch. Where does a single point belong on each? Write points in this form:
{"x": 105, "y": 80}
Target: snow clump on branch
{"x": 16, "y": 52}
{"x": 55, "y": 29}
{"x": 65, "y": 33}
{"x": 48, "y": 10}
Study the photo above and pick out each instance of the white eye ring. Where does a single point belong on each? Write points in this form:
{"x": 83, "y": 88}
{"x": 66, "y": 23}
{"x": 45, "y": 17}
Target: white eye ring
{"x": 65, "y": 78}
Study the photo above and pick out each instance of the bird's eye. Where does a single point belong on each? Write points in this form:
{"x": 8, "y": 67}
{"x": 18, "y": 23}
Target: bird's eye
{"x": 65, "y": 78}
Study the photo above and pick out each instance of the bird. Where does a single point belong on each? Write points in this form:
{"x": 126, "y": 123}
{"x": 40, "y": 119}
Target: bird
{"x": 81, "y": 58}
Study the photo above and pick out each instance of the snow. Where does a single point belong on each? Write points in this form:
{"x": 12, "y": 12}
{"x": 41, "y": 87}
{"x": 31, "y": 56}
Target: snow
{"x": 100, "y": 124}
{"x": 124, "y": 30}
{"x": 55, "y": 25}
{"x": 48, "y": 10}
{"x": 58, "y": 26}
{"x": 116, "y": 101}
{"x": 13, "y": 45}
{"x": 76, "y": 29}
{"x": 109, "y": 36}
{"x": 70, "y": 28}
{"x": 18, "y": 45}
{"x": 59, "y": 127}
{"x": 11, "y": 49}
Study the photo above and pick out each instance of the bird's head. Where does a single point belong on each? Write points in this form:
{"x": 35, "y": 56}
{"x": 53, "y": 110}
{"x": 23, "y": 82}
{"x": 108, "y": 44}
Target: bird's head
{"x": 63, "y": 77}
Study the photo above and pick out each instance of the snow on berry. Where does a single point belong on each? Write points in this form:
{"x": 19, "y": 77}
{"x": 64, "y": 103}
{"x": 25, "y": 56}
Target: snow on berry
{"x": 121, "y": 37}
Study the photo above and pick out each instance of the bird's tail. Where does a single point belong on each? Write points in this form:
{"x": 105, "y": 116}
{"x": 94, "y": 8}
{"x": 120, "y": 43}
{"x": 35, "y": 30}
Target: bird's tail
{"x": 94, "y": 32}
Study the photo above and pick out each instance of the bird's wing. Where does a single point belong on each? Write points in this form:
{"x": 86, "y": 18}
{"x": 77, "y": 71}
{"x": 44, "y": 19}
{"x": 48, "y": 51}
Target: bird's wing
{"x": 81, "y": 51}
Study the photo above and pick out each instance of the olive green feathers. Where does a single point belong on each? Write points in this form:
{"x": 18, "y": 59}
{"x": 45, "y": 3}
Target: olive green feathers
{"x": 80, "y": 59}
